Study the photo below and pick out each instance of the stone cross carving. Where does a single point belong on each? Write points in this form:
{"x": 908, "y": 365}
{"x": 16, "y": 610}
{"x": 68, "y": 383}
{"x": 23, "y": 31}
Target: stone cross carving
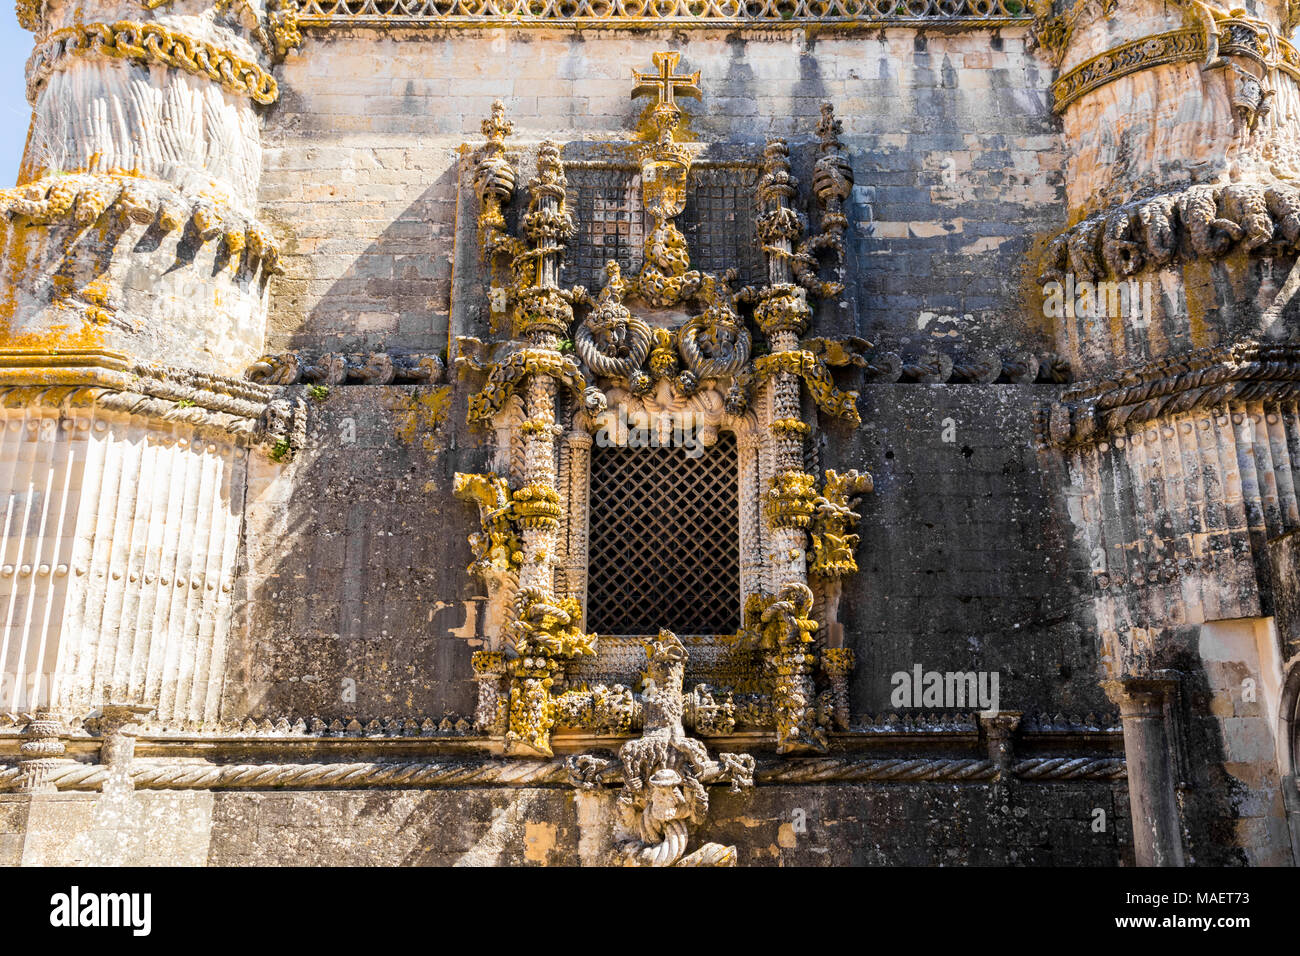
{"x": 665, "y": 84}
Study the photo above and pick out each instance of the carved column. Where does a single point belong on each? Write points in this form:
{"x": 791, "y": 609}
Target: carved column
{"x": 135, "y": 225}
{"x": 579, "y": 443}
{"x": 40, "y": 752}
{"x": 544, "y": 631}
{"x": 783, "y": 314}
{"x": 1157, "y": 831}
{"x": 133, "y": 291}
{"x": 752, "y": 533}
{"x": 1172, "y": 287}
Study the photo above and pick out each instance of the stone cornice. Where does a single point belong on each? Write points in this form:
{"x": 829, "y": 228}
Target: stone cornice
{"x": 1206, "y": 378}
{"x": 148, "y": 43}
{"x": 238, "y": 410}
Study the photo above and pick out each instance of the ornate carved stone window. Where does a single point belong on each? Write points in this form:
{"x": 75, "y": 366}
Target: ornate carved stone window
{"x": 593, "y": 535}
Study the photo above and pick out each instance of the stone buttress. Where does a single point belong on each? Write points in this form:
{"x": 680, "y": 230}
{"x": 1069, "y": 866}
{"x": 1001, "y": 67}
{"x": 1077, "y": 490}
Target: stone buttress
{"x": 1173, "y": 296}
{"x": 134, "y": 271}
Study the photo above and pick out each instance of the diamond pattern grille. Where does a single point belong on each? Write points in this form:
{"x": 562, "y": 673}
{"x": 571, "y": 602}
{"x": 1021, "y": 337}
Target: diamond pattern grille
{"x": 665, "y": 540}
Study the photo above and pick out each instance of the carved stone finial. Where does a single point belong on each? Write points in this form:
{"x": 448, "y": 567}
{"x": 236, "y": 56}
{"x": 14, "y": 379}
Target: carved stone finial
{"x": 496, "y": 127}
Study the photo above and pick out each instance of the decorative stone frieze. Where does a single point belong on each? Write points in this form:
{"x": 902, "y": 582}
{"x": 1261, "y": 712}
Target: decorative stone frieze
{"x": 338, "y": 368}
{"x": 625, "y": 13}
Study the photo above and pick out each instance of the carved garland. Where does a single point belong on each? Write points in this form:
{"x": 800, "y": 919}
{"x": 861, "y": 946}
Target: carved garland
{"x": 149, "y": 43}
{"x": 1234, "y": 38}
{"x": 1201, "y": 221}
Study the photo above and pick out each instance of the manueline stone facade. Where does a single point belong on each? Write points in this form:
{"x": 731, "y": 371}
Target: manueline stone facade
{"x": 945, "y": 367}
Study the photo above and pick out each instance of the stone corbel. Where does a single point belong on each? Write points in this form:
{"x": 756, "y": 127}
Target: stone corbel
{"x": 117, "y": 728}
{"x": 999, "y": 736}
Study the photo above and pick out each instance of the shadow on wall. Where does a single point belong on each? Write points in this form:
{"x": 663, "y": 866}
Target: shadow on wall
{"x": 356, "y": 601}
{"x": 968, "y": 560}
{"x": 342, "y": 291}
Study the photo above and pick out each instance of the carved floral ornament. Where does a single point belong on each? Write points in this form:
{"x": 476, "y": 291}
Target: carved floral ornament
{"x": 1216, "y": 38}
{"x": 669, "y": 343}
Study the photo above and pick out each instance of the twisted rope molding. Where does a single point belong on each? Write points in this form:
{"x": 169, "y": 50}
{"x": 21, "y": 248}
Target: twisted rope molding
{"x": 149, "y": 43}
{"x": 1205, "y": 378}
{"x": 525, "y": 773}
{"x": 1071, "y": 768}
{"x": 829, "y": 769}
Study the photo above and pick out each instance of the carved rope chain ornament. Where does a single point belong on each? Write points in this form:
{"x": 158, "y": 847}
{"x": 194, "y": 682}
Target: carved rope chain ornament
{"x": 146, "y": 43}
{"x": 532, "y": 773}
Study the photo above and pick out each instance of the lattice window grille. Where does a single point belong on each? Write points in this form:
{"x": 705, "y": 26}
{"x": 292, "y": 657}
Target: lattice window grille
{"x": 664, "y": 540}
{"x": 611, "y": 224}
{"x": 719, "y": 222}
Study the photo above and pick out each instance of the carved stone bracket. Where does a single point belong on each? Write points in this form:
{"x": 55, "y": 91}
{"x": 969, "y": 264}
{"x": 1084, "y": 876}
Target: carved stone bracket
{"x": 664, "y": 797}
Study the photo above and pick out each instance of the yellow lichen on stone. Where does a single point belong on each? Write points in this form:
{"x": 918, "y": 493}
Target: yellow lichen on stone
{"x": 419, "y": 415}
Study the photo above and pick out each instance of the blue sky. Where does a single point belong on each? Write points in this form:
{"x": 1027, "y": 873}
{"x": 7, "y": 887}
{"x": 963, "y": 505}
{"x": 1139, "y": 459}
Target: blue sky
{"x": 15, "y": 114}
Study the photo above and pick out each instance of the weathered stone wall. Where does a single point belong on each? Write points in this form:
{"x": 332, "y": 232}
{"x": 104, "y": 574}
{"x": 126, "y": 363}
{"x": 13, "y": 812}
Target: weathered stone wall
{"x": 958, "y": 161}
{"x": 356, "y": 598}
{"x": 959, "y": 168}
